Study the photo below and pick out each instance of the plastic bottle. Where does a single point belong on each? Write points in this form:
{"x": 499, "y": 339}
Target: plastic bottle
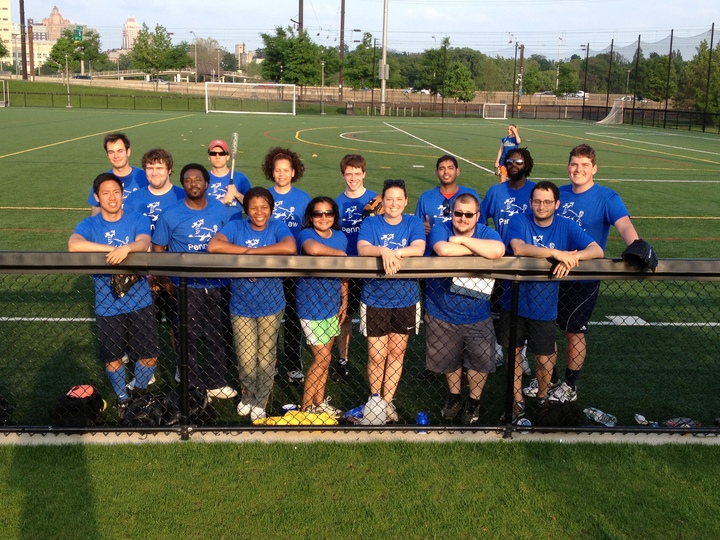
{"x": 375, "y": 411}
{"x": 600, "y": 417}
{"x": 422, "y": 420}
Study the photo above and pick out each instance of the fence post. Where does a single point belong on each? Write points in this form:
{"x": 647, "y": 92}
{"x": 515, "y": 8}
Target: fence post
{"x": 182, "y": 345}
{"x": 511, "y": 359}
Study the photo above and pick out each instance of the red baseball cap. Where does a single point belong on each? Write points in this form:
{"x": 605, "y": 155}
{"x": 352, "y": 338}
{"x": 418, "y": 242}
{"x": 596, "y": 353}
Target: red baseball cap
{"x": 217, "y": 142}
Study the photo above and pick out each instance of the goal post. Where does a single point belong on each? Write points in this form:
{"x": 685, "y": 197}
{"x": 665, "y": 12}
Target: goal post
{"x": 4, "y": 94}
{"x": 495, "y": 111}
{"x": 250, "y": 98}
{"x": 615, "y": 116}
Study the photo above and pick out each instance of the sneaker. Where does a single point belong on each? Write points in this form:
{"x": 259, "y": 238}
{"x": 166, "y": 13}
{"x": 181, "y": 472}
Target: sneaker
{"x": 532, "y": 389}
{"x": 125, "y": 358}
{"x": 296, "y": 377}
{"x": 341, "y": 371}
{"x": 525, "y": 364}
{"x": 562, "y": 394}
{"x": 499, "y": 356}
{"x": 426, "y": 375}
{"x": 391, "y": 414}
{"x": 518, "y": 412}
{"x": 452, "y": 407}
{"x": 177, "y": 375}
{"x": 225, "y": 392}
{"x": 257, "y": 413}
{"x": 470, "y": 414}
{"x": 325, "y": 407}
{"x": 131, "y": 385}
{"x": 243, "y": 409}
{"x": 122, "y": 407}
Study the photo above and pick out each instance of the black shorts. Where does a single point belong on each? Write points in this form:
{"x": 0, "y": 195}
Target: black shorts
{"x": 378, "y": 322}
{"x": 135, "y": 333}
{"x": 354, "y": 292}
{"x": 576, "y": 304}
{"x": 539, "y": 335}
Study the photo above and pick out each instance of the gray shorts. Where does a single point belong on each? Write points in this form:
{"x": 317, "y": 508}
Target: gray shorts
{"x": 451, "y": 346}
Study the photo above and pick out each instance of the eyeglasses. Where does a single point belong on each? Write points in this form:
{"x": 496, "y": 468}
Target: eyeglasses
{"x": 217, "y": 153}
{"x": 538, "y": 202}
{"x": 394, "y": 183}
{"x": 323, "y": 213}
{"x": 515, "y": 161}
{"x": 466, "y": 215}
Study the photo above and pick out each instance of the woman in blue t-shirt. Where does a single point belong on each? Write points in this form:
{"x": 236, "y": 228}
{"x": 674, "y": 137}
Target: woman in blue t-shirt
{"x": 256, "y": 304}
{"x": 321, "y": 302}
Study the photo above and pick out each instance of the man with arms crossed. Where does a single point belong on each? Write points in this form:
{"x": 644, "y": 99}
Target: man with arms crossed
{"x": 458, "y": 328}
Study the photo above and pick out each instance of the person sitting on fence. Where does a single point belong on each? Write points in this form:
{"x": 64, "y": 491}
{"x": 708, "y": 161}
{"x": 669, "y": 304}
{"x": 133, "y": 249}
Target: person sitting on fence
{"x": 390, "y": 309}
{"x": 187, "y": 227}
{"x": 256, "y": 304}
{"x": 544, "y": 236}
{"x": 511, "y": 142}
{"x": 459, "y": 332}
{"x": 125, "y": 317}
{"x": 321, "y": 302}
{"x": 117, "y": 149}
{"x": 230, "y": 194}
{"x": 284, "y": 167}
{"x": 351, "y": 204}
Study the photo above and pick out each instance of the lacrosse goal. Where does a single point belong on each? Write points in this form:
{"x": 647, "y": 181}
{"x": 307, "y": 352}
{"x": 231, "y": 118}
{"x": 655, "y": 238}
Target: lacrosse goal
{"x": 615, "y": 116}
{"x": 495, "y": 111}
{"x": 250, "y": 98}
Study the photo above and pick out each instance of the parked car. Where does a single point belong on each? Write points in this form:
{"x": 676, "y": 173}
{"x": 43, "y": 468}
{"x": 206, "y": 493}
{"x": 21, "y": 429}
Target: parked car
{"x": 423, "y": 91}
{"x": 84, "y": 77}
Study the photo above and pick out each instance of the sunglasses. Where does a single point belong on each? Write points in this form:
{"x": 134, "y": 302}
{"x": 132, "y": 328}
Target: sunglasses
{"x": 394, "y": 183}
{"x": 515, "y": 161}
{"x": 466, "y": 215}
{"x": 323, "y": 213}
{"x": 446, "y": 208}
{"x": 217, "y": 153}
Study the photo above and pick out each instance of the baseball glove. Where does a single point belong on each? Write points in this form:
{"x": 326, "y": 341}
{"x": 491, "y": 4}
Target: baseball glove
{"x": 640, "y": 255}
{"x": 374, "y": 207}
{"x": 122, "y": 283}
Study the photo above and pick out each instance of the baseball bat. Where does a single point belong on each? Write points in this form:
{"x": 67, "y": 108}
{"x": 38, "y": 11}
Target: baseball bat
{"x": 233, "y": 155}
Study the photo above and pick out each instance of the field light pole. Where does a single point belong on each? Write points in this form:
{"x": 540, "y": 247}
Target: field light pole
{"x": 322, "y": 87}
{"x": 196, "y": 66}
{"x": 67, "y": 75}
{"x": 557, "y": 75}
{"x": 627, "y": 82}
{"x": 218, "y": 62}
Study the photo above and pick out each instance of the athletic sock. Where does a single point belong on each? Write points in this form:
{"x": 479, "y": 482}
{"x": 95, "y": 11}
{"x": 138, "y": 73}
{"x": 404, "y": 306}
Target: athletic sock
{"x": 473, "y": 402}
{"x": 117, "y": 380}
{"x": 554, "y": 376}
{"x": 143, "y": 374}
{"x": 343, "y": 361}
{"x": 571, "y": 377}
{"x": 454, "y": 398}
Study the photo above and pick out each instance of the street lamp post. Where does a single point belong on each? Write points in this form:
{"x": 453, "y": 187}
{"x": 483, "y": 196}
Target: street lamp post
{"x": 557, "y": 75}
{"x": 218, "y": 63}
{"x": 627, "y": 83}
{"x": 585, "y": 90}
{"x": 196, "y": 65}
{"x": 67, "y": 75}
{"x": 322, "y": 87}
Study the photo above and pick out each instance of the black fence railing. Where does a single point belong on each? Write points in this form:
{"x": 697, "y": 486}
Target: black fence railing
{"x": 652, "y": 350}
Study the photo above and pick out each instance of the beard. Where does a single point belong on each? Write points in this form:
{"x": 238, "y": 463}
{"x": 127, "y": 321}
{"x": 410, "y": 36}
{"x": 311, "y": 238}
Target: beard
{"x": 515, "y": 176}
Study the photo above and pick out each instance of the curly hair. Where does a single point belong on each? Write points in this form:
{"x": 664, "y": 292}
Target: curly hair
{"x": 525, "y": 154}
{"x": 277, "y": 153}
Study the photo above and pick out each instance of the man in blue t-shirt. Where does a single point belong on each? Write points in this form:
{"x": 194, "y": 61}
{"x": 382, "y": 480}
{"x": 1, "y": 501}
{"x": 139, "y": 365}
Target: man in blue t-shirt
{"x": 544, "y": 236}
{"x": 595, "y": 208}
{"x": 117, "y": 148}
{"x": 351, "y": 204}
{"x": 188, "y": 227}
{"x": 228, "y": 192}
{"x": 125, "y": 321}
{"x": 459, "y": 333}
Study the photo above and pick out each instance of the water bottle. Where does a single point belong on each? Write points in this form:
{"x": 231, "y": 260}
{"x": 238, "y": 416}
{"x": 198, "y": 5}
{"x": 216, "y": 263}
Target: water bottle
{"x": 375, "y": 411}
{"x": 600, "y": 417}
{"x": 422, "y": 420}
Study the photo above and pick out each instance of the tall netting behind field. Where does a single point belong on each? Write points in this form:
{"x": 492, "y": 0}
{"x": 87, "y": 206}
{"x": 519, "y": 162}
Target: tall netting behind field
{"x": 250, "y": 98}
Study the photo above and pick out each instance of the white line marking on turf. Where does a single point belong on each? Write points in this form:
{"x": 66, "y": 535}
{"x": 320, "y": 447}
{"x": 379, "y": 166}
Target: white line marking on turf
{"x": 631, "y": 320}
{"x": 640, "y": 141}
{"x": 439, "y": 148}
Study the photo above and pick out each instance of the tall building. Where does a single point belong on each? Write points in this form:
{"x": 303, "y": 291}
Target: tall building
{"x": 130, "y": 32}
{"x": 55, "y": 24}
{"x": 6, "y": 30}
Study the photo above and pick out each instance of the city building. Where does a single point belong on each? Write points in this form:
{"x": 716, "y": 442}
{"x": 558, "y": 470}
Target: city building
{"x": 130, "y": 31}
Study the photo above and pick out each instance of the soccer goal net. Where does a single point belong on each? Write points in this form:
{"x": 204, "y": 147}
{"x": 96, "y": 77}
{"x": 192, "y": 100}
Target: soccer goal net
{"x": 4, "y": 94}
{"x": 495, "y": 111}
{"x": 250, "y": 98}
{"x": 615, "y": 116}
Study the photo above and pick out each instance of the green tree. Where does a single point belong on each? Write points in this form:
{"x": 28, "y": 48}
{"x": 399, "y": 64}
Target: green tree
{"x": 359, "y": 71}
{"x": 151, "y": 50}
{"x": 3, "y": 50}
{"x": 229, "y": 61}
{"x": 694, "y": 91}
{"x": 292, "y": 58}
{"x": 87, "y": 51}
{"x": 569, "y": 80}
{"x": 459, "y": 83}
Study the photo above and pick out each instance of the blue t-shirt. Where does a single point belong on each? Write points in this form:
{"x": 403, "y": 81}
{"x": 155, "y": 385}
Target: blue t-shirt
{"x": 318, "y": 299}
{"x": 186, "y": 230}
{"x": 595, "y": 210}
{"x": 217, "y": 189}
{"x": 448, "y": 306}
{"x": 116, "y": 234}
{"x": 137, "y": 179}
{"x": 508, "y": 144}
{"x": 351, "y": 216}
{"x": 391, "y": 293}
{"x": 144, "y": 202}
{"x": 434, "y": 205}
{"x": 501, "y": 203}
{"x": 290, "y": 208}
{"x": 256, "y": 297}
{"x": 538, "y": 300}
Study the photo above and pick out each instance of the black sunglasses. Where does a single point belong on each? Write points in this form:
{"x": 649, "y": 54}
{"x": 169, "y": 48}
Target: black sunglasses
{"x": 323, "y": 213}
{"x": 394, "y": 183}
{"x": 217, "y": 153}
{"x": 466, "y": 215}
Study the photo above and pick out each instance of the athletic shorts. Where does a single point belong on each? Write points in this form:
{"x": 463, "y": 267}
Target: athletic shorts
{"x": 452, "y": 346}
{"x": 134, "y": 333}
{"x": 320, "y": 332}
{"x": 539, "y": 335}
{"x": 576, "y": 304}
{"x": 354, "y": 292}
{"x": 378, "y": 322}
{"x": 165, "y": 305}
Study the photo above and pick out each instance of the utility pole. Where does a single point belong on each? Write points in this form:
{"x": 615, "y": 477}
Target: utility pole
{"x": 342, "y": 50}
{"x": 300, "y": 17}
{"x": 383, "y": 75}
{"x": 23, "y": 49}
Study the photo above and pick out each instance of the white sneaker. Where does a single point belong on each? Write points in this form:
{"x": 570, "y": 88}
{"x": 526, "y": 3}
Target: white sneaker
{"x": 391, "y": 414}
{"x": 125, "y": 358}
{"x": 243, "y": 409}
{"x": 325, "y": 407}
{"x": 532, "y": 389}
{"x": 296, "y": 377}
{"x": 225, "y": 392}
{"x": 562, "y": 394}
{"x": 131, "y": 385}
{"x": 257, "y": 413}
{"x": 177, "y": 375}
{"x": 525, "y": 363}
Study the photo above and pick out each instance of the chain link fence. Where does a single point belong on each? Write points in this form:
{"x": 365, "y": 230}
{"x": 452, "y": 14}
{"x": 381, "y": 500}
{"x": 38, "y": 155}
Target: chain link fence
{"x": 232, "y": 357}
